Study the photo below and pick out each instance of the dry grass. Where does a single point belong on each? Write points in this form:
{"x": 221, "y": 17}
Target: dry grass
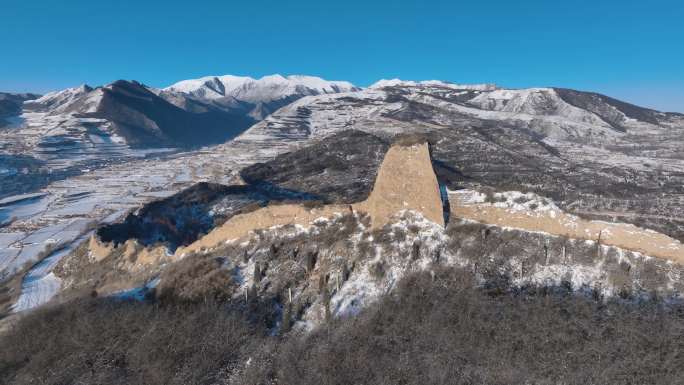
{"x": 196, "y": 278}
{"x": 441, "y": 330}
{"x": 433, "y": 329}
{"x": 10, "y": 289}
{"x": 104, "y": 342}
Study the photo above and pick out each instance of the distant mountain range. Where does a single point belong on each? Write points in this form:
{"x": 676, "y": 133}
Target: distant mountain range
{"x": 64, "y": 132}
{"x": 50, "y": 137}
{"x": 259, "y": 97}
{"x": 214, "y": 109}
{"x": 187, "y": 114}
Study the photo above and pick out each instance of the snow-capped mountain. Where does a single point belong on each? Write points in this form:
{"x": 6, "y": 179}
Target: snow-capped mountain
{"x": 138, "y": 117}
{"x": 190, "y": 113}
{"x": 265, "y": 89}
{"x": 261, "y": 96}
{"x": 61, "y": 133}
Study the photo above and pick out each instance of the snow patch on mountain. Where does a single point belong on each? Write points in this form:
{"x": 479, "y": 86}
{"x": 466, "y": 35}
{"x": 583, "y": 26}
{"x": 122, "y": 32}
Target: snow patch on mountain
{"x": 534, "y": 101}
{"x": 434, "y": 83}
{"x": 265, "y": 89}
{"x": 57, "y": 101}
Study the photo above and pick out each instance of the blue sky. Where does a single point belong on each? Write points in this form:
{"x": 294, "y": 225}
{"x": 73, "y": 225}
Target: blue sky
{"x": 633, "y": 50}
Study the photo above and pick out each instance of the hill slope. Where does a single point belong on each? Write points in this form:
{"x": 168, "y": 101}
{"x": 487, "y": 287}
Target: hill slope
{"x": 83, "y": 128}
{"x": 588, "y": 152}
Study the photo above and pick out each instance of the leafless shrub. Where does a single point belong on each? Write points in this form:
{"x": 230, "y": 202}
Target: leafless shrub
{"x": 196, "y": 279}
{"x": 436, "y": 327}
{"x": 521, "y": 199}
{"x": 106, "y": 342}
{"x": 442, "y": 330}
{"x": 489, "y": 196}
{"x": 413, "y": 228}
{"x": 378, "y": 269}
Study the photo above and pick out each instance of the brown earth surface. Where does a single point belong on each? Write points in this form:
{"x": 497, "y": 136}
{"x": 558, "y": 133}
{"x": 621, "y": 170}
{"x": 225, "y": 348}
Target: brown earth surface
{"x": 622, "y": 235}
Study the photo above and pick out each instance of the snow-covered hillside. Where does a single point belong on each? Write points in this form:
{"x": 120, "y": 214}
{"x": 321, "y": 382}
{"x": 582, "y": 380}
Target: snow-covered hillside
{"x": 594, "y": 154}
{"x": 50, "y": 137}
{"x": 59, "y": 101}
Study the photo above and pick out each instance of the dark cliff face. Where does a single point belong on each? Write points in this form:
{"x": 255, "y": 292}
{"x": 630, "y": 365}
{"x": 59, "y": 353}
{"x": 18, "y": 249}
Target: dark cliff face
{"x": 339, "y": 169}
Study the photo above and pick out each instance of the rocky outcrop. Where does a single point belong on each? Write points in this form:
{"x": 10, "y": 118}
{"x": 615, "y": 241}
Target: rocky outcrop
{"x": 405, "y": 181}
{"x": 405, "y": 185}
{"x": 99, "y": 250}
{"x": 132, "y": 256}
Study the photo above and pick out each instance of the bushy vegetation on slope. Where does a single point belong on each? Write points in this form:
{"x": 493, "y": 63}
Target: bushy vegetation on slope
{"x": 435, "y": 328}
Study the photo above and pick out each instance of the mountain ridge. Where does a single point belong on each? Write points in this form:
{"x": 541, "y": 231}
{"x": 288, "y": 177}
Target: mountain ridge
{"x": 273, "y": 86}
